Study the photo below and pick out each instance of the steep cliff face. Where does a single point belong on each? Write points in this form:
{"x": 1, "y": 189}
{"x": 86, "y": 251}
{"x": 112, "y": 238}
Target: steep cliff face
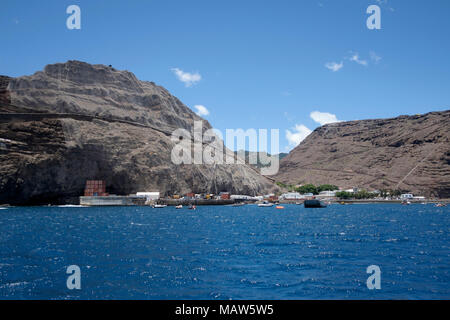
{"x": 75, "y": 121}
{"x": 407, "y": 153}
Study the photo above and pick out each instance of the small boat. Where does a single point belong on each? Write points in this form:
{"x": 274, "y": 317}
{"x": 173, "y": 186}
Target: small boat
{"x": 405, "y": 202}
{"x": 314, "y": 204}
{"x": 180, "y": 206}
{"x": 265, "y": 204}
{"x": 192, "y": 207}
{"x": 159, "y": 206}
{"x": 279, "y": 207}
{"x": 439, "y": 205}
{"x": 71, "y": 206}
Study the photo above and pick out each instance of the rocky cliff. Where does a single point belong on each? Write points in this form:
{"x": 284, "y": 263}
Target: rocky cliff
{"x": 406, "y": 153}
{"x": 74, "y": 121}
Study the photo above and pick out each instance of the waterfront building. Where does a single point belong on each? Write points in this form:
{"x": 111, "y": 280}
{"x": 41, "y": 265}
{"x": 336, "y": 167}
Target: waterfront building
{"x": 292, "y": 196}
{"x": 327, "y": 194}
{"x": 240, "y": 197}
{"x": 149, "y": 196}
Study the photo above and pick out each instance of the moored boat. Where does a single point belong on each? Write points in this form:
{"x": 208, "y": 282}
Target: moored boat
{"x": 72, "y": 206}
{"x": 314, "y": 204}
{"x": 265, "y": 204}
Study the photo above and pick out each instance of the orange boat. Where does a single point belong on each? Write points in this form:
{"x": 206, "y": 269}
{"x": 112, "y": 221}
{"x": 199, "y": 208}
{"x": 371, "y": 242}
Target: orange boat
{"x": 279, "y": 207}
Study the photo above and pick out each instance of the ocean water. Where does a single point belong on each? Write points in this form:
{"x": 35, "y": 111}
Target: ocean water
{"x": 226, "y": 252}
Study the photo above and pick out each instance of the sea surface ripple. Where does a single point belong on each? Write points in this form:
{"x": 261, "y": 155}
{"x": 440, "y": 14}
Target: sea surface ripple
{"x": 220, "y": 252}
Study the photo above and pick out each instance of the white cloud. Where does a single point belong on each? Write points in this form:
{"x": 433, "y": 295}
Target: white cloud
{"x": 355, "y": 58}
{"x": 299, "y": 133}
{"x": 323, "y": 117}
{"x": 333, "y": 66}
{"x": 187, "y": 78}
{"x": 201, "y": 110}
{"x": 375, "y": 58}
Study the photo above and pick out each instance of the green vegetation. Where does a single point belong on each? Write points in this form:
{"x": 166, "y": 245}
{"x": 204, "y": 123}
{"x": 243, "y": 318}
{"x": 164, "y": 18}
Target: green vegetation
{"x": 308, "y": 188}
{"x": 344, "y": 195}
{"x": 362, "y": 194}
{"x": 281, "y": 184}
{"x": 327, "y": 187}
{"x": 289, "y": 187}
{"x": 390, "y": 192}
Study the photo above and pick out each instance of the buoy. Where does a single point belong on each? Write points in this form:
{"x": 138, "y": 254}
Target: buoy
{"x": 279, "y": 207}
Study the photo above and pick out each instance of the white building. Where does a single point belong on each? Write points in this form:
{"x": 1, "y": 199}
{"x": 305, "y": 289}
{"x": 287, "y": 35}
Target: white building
{"x": 327, "y": 194}
{"x": 406, "y": 196}
{"x": 148, "y": 195}
{"x": 292, "y": 196}
{"x": 240, "y": 197}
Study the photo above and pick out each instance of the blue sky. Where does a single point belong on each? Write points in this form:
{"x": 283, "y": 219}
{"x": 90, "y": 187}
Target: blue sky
{"x": 262, "y": 64}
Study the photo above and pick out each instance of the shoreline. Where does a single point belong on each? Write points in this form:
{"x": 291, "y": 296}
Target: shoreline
{"x": 371, "y": 201}
{"x": 223, "y": 202}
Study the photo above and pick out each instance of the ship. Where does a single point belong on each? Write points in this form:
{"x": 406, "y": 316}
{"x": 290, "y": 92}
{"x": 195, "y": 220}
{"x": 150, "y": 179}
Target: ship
{"x": 314, "y": 204}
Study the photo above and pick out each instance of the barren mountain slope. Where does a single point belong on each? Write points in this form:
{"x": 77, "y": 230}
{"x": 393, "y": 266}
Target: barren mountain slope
{"x": 96, "y": 122}
{"x": 408, "y": 153}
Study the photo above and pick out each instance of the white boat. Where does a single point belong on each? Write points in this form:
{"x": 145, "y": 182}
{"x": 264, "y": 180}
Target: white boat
{"x": 159, "y": 206}
{"x": 72, "y": 206}
{"x": 2, "y": 208}
{"x": 265, "y": 204}
{"x": 179, "y": 206}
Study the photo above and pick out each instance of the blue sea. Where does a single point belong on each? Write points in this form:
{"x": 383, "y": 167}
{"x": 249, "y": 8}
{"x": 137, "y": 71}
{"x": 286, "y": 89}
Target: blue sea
{"x": 221, "y": 252}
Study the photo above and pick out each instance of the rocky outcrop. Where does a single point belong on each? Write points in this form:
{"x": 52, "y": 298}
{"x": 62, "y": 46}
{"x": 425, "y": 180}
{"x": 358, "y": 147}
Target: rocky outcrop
{"x": 4, "y": 93}
{"x": 410, "y": 153}
{"x": 75, "y": 121}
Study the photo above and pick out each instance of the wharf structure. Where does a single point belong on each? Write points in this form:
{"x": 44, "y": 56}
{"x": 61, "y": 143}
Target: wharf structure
{"x": 112, "y": 200}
